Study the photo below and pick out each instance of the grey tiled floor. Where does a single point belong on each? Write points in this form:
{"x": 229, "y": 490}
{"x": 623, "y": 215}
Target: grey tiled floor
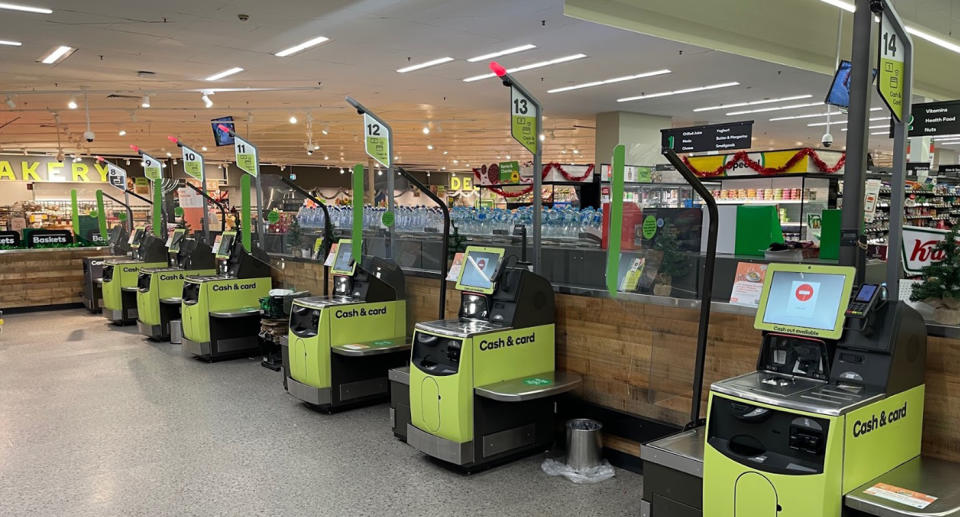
{"x": 94, "y": 420}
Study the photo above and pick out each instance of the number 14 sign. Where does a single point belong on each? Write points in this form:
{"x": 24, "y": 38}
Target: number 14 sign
{"x": 523, "y": 120}
{"x": 890, "y": 76}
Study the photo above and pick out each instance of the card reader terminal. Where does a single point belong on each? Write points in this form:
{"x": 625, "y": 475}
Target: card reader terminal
{"x": 864, "y": 301}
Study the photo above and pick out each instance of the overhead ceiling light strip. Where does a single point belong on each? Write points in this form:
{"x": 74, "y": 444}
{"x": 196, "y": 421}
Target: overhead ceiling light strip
{"x": 753, "y": 103}
{"x": 58, "y": 54}
{"x": 678, "y": 92}
{"x": 610, "y": 81}
{"x": 814, "y": 115}
{"x": 936, "y": 40}
{"x": 303, "y": 46}
{"x": 531, "y": 66}
{"x": 505, "y": 52}
{"x": 427, "y": 64}
{"x": 25, "y": 8}
{"x": 225, "y": 73}
{"x": 10, "y": 43}
{"x": 874, "y": 119}
{"x": 775, "y": 108}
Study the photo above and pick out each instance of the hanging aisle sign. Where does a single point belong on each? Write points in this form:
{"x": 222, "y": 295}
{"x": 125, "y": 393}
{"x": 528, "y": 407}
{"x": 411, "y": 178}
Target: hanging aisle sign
{"x": 891, "y": 68}
{"x": 192, "y": 162}
{"x": 714, "y": 137}
{"x": 246, "y": 156}
{"x": 117, "y": 176}
{"x": 151, "y": 167}
{"x": 523, "y": 120}
{"x": 376, "y": 141}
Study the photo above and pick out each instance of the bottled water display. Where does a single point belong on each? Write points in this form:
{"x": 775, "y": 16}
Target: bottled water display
{"x": 564, "y": 222}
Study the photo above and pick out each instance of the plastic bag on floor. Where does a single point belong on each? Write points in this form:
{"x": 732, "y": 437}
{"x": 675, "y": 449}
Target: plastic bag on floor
{"x": 601, "y": 472}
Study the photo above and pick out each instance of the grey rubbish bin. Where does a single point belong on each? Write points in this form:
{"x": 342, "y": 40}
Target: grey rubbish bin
{"x": 176, "y": 332}
{"x": 583, "y": 443}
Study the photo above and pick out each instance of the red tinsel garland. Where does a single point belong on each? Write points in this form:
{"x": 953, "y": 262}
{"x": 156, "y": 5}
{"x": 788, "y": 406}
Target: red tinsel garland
{"x": 743, "y": 156}
{"x": 478, "y": 173}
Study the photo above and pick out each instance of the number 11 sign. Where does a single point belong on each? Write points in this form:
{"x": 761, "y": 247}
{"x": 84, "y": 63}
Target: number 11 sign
{"x": 246, "y": 156}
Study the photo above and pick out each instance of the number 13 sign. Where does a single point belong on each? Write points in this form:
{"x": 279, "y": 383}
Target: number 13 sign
{"x": 523, "y": 120}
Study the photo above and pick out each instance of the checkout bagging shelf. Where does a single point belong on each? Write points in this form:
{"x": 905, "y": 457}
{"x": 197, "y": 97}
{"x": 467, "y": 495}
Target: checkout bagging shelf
{"x": 92, "y": 295}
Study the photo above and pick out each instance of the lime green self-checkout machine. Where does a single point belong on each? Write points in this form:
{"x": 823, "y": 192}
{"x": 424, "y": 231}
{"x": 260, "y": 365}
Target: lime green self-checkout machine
{"x": 837, "y": 398}
{"x": 120, "y": 276}
{"x": 481, "y": 386}
{"x": 340, "y": 347}
{"x": 159, "y": 289}
{"x": 220, "y": 314}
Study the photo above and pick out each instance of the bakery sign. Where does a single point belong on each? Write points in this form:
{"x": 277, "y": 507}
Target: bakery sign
{"x": 918, "y": 248}
{"x": 48, "y": 169}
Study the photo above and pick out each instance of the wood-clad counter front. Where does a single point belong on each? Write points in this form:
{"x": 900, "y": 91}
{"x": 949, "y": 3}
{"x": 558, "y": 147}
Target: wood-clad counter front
{"x": 42, "y": 277}
{"x": 638, "y": 357}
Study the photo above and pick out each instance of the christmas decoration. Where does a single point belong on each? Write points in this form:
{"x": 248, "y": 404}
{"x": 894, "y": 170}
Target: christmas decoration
{"x": 744, "y": 157}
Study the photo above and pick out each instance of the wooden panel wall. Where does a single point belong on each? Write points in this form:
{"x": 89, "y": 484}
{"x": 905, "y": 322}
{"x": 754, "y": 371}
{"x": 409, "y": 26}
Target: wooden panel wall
{"x": 34, "y": 278}
{"x": 638, "y": 358}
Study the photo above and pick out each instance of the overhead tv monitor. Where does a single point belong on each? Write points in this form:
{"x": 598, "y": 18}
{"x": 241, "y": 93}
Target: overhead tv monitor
{"x": 136, "y": 238}
{"x": 220, "y": 136}
{"x": 480, "y": 266}
{"x": 226, "y": 245}
{"x": 805, "y": 300}
{"x": 839, "y": 94}
{"x": 176, "y": 238}
{"x": 344, "y": 263}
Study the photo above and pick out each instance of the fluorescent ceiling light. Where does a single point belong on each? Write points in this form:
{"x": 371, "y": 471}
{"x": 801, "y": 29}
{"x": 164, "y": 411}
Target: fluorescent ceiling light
{"x": 677, "y": 92}
{"x": 609, "y": 81}
{"x": 303, "y": 46}
{"x": 949, "y": 45}
{"x": 874, "y": 119}
{"x": 775, "y": 108}
{"x": 25, "y": 8}
{"x": 10, "y": 43}
{"x": 531, "y": 66}
{"x": 814, "y": 115}
{"x": 846, "y": 6}
{"x": 936, "y": 40}
{"x": 753, "y": 103}
{"x": 427, "y": 64}
{"x": 225, "y": 73}
{"x": 506, "y": 52}
{"x": 58, "y": 54}
{"x": 871, "y": 127}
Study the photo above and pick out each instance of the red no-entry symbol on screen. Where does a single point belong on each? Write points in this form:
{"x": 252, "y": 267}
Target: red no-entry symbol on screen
{"x": 482, "y": 264}
{"x": 804, "y": 292}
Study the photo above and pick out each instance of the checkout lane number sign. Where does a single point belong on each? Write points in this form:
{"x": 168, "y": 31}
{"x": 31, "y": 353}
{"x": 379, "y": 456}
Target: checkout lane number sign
{"x": 890, "y": 75}
{"x": 192, "y": 162}
{"x": 246, "y": 156}
{"x": 151, "y": 167}
{"x": 117, "y": 176}
{"x": 523, "y": 120}
{"x": 376, "y": 140}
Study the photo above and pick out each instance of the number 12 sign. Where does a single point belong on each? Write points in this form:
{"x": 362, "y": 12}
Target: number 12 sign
{"x": 523, "y": 120}
{"x": 890, "y": 76}
{"x": 376, "y": 141}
